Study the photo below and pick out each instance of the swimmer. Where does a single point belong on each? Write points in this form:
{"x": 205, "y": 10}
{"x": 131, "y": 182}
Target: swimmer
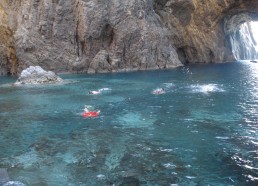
{"x": 94, "y": 92}
{"x": 98, "y": 91}
{"x": 159, "y": 91}
{"x": 86, "y": 110}
{"x": 88, "y": 113}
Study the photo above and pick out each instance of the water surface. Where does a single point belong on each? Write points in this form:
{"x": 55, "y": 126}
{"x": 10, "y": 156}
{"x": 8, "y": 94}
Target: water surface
{"x": 202, "y": 131}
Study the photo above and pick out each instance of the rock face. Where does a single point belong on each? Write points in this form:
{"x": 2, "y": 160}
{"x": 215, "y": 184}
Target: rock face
{"x": 36, "y": 75}
{"x": 199, "y": 29}
{"x": 94, "y": 36}
{"x": 8, "y": 61}
{"x": 107, "y": 36}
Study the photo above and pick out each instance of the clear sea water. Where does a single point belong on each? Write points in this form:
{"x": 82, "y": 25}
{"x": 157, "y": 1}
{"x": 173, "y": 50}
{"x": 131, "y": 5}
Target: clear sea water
{"x": 202, "y": 131}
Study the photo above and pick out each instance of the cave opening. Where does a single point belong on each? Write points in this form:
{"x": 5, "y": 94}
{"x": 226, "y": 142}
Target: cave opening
{"x": 254, "y": 29}
{"x": 242, "y": 30}
{"x": 247, "y": 35}
{"x": 244, "y": 44}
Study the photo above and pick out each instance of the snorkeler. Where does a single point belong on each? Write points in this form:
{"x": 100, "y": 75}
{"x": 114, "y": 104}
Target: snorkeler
{"x": 98, "y": 91}
{"x": 159, "y": 91}
{"x": 88, "y": 113}
{"x": 94, "y": 92}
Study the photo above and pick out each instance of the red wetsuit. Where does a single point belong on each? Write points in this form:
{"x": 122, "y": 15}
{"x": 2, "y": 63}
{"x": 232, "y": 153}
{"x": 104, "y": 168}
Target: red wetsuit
{"x": 90, "y": 114}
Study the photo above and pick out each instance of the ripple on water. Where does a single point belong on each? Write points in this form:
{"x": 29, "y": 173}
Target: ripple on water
{"x": 112, "y": 99}
{"x": 222, "y": 137}
{"x": 46, "y": 143}
{"x": 134, "y": 120}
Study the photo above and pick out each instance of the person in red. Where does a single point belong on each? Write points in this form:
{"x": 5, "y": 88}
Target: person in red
{"x": 88, "y": 113}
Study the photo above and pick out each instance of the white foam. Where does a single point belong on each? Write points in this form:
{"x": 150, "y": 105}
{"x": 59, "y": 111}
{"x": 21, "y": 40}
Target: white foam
{"x": 249, "y": 167}
{"x": 169, "y": 165}
{"x": 206, "y": 88}
{"x": 221, "y": 137}
{"x": 105, "y": 89}
{"x": 190, "y": 177}
{"x": 165, "y": 150}
{"x": 101, "y": 176}
{"x": 158, "y": 91}
{"x": 14, "y": 183}
{"x": 252, "y": 178}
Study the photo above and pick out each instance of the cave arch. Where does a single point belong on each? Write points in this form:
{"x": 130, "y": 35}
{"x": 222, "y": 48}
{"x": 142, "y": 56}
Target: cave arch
{"x": 212, "y": 28}
{"x": 239, "y": 32}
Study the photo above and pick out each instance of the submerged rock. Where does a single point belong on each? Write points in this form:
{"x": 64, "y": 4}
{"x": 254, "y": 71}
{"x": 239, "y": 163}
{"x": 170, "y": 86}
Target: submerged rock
{"x": 36, "y": 75}
{"x": 3, "y": 176}
{"x": 5, "y": 180}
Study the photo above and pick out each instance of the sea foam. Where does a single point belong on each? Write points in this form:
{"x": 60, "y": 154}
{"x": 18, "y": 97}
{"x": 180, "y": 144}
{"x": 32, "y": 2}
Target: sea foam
{"x": 206, "y": 88}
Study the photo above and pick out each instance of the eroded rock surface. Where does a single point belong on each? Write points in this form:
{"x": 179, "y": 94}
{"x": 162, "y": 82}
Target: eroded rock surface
{"x": 70, "y": 36}
{"x": 36, "y": 75}
{"x": 81, "y": 36}
{"x": 8, "y": 61}
{"x": 199, "y": 29}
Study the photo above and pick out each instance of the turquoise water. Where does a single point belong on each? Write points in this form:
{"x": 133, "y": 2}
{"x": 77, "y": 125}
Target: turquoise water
{"x": 202, "y": 131}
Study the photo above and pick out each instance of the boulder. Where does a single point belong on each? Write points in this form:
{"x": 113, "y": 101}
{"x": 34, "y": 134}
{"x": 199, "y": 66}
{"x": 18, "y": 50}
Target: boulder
{"x": 37, "y": 75}
{"x": 100, "y": 63}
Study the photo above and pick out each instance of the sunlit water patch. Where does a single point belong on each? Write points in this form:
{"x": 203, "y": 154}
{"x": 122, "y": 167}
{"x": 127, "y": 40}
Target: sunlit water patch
{"x": 207, "y": 88}
{"x": 201, "y": 131}
{"x": 134, "y": 120}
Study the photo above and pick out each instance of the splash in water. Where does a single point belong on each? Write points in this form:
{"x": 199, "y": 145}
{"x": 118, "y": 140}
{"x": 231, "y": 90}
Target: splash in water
{"x": 206, "y": 88}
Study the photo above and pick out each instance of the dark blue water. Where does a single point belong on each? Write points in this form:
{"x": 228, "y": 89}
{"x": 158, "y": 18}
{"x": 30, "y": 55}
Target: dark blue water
{"x": 202, "y": 131}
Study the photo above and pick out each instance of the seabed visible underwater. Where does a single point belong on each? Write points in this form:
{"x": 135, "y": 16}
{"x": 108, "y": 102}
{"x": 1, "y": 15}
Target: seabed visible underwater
{"x": 202, "y": 131}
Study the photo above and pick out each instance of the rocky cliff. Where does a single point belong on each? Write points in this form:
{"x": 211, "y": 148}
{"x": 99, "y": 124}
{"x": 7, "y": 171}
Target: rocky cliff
{"x": 200, "y": 29}
{"x": 8, "y": 62}
{"x": 112, "y": 35}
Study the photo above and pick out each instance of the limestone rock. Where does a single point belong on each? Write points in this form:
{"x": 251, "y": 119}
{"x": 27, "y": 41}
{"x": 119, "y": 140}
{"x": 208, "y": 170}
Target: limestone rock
{"x": 100, "y": 63}
{"x": 70, "y": 36}
{"x": 197, "y": 27}
{"x": 8, "y": 61}
{"x": 36, "y": 75}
